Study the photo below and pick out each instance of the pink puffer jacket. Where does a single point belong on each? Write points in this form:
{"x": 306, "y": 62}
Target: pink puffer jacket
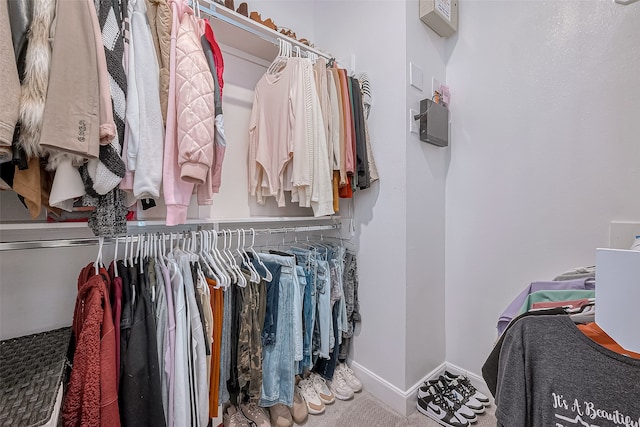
{"x": 190, "y": 131}
{"x": 196, "y": 104}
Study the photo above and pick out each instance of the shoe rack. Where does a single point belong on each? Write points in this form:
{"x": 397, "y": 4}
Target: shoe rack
{"x": 246, "y": 35}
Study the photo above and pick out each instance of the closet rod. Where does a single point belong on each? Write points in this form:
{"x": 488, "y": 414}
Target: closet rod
{"x": 64, "y": 243}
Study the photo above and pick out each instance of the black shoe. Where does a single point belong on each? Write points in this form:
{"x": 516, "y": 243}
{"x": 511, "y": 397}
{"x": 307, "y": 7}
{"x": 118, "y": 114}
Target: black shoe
{"x": 434, "y": 405}
{"x": 466, "y": 388}
{"x": 453, "y": 399}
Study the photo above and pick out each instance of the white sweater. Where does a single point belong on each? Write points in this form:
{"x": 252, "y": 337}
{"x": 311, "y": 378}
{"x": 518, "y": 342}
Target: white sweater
{"x": 144, "y": 116}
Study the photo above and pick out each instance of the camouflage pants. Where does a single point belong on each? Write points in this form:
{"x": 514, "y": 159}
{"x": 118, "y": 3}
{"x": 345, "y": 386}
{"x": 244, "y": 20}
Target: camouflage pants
{"x": 249, "y": 339}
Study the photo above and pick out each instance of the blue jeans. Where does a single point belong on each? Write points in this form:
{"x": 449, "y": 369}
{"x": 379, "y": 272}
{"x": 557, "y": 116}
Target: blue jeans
{"x": 278, "y": 365}
{"x": 306, "y": 261}
{"x": 326, "y": 367}
{"x": 307, "y": 319}
{"x": 270, "y": 325}
{"x": 323, "y": 288}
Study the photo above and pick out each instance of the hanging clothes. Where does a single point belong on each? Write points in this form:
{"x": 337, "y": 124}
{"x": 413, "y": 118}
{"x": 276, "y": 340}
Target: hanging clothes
{"x": 140, "y": 385}
{"x": 91, "y": 398}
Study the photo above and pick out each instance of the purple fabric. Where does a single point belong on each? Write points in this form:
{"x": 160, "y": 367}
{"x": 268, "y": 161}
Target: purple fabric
{"x": 169, "y": 363}
{"x": 586, "y": 283}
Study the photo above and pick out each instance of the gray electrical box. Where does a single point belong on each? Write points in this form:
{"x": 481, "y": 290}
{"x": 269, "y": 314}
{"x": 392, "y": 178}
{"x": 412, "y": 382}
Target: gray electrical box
{"x": 440, "y": 15}
{"x": 434, "y": 123}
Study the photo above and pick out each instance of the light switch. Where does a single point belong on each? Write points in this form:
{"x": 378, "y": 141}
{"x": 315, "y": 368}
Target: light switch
{"x": 415, "y": 76}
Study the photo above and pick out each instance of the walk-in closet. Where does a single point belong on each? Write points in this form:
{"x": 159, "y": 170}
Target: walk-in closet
{"x": 319, "y": 213}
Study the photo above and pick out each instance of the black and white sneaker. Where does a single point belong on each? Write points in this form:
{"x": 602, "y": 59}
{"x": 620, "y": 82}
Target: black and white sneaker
{"x": 434, "y": 405}
{"x": 453, "y": 399}
{"x": 469, "y": 389}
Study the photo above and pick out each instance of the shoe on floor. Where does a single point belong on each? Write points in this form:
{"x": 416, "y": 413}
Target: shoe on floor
{"x": 434, "y": 406}
{"x": 233, "y": 418}
{"x": 340, "y": 388}
{"x": 465, "y": 384}
{"x": 463, "y": 393}
{"x": 255, "y": 414}
{"x": 315, "y": 406}
{"x": 348, "y": 375}
{"x": 451, "y": 398}
{"x": 299, "y": 411}
{"x": 280, "y": 415}
{"x": 320, "y": 385}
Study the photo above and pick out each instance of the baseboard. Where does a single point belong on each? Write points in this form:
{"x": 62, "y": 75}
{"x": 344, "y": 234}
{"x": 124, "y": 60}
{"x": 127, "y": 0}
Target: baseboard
{"x": 401, "y": 401}
{"x": 404, "y": 402}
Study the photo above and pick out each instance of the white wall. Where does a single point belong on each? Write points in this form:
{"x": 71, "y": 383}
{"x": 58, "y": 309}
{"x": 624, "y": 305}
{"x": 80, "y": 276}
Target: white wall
{"x": 544, "y": 151}
{"x": 425, "y": 221}
{"x": 374, "y": 32}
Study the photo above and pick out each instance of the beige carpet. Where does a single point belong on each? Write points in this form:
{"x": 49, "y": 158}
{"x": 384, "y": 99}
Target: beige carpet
{"x": 364, "y": 410}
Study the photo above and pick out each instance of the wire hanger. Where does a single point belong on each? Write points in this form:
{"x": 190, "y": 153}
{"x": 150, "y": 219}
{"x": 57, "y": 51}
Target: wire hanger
{"x": 98, "y": 262}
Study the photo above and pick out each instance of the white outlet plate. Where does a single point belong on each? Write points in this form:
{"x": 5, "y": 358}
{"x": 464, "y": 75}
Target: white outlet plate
{"x": 413, "y": 124}
{"x": 415, "y": 76}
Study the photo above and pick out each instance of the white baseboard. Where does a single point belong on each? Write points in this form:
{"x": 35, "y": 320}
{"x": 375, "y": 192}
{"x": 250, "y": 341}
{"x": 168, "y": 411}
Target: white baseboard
{"x": 401, "y": 401}
{"x": 404, "y": 402}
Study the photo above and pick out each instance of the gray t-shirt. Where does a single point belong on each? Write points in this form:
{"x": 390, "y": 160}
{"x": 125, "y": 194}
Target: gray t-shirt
{"x": 552, "y": 375}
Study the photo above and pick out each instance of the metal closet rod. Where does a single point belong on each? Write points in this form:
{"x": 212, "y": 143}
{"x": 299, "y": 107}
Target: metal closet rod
{"x": 87, "y": 241}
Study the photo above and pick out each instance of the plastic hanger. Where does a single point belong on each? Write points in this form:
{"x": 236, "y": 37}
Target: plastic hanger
{"x": 269, "y": 276}
{"x": 255, "y": 276}
{"x": 229, "y": 262}
{"x": 242, "y": 282}
{"x": 115, "y": 259}
{"x": 223, "y": 279}
{"x": 203, "y": 257}
{"x": 98, "y": 262}
{"x": 219, "y": 259}
{"x": 126, "y": 250}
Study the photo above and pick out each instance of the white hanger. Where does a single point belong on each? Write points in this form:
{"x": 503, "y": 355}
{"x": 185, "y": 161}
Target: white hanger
{"x": 126, "y": 250}
{"x": 98, "y": 262}
{"x": 255, "y": 277}
{"x": 242, "y": 281}
{"x": 218, "y": 258}
{"x": 269, "y": 276}
{"x": 222, "y": 279}
{"x": 229, "y": 258}
{"x": 115, "y": 259}
{"x": 131, "y": 253}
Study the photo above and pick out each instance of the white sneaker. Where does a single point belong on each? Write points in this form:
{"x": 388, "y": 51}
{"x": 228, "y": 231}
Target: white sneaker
{"x": 339, "y": 387}
{"x": 310, "y": 396}
{"x": 320, "y": 385}
{"x": 348, "y": 375}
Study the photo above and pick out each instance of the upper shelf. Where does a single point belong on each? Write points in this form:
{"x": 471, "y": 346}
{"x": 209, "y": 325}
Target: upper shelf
{"x": 244, "y": 34}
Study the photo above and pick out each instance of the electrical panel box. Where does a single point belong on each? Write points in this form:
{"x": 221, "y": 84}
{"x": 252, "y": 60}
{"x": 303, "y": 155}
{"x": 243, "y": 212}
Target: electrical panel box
{"x": 434, "y": 123}
{"x": 440, "y": 15}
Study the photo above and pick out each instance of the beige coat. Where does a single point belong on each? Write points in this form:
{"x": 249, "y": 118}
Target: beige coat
{"x": 72, "y": 115}
{"x": 9, "y": 85}
{"x": 160, "y": 20}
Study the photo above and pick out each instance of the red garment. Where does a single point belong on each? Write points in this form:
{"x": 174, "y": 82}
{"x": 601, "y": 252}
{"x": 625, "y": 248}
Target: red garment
{"x": 217, "y": 54}
{"x": 92, "y": 396}
{"x": 115, "y": 293}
